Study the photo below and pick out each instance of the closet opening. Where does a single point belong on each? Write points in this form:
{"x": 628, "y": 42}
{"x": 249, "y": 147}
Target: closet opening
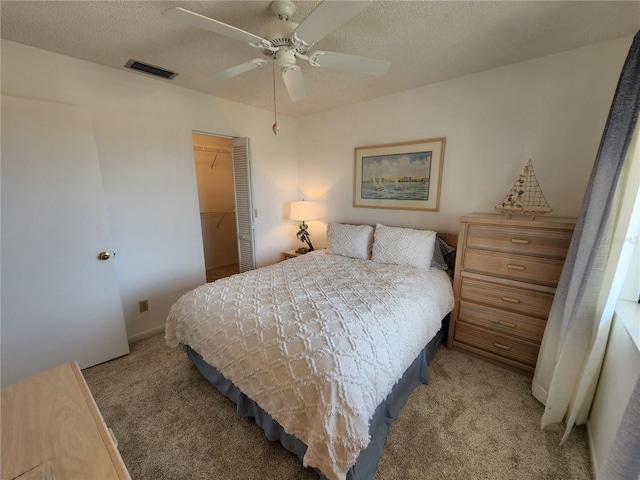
{"x": 216, "y": 194}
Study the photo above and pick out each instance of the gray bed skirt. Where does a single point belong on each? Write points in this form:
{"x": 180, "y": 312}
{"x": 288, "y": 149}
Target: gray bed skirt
{"x": 385, "y": 414}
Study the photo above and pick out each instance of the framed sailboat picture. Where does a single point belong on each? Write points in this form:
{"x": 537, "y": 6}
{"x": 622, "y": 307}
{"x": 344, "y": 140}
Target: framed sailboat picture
{"x": 405, "y": 176}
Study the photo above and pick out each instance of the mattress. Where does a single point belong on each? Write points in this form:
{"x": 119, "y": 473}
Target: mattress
{"x": 318, "y": 342}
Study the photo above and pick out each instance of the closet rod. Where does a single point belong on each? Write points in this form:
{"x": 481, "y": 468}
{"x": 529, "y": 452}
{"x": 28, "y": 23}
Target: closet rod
{"x": 221, "y": 214}
{"x": 210, "y": 149}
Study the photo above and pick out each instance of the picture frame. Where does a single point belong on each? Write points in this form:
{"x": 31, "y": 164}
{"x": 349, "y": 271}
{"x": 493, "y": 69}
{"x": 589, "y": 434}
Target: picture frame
{"x": 402, "y": 176}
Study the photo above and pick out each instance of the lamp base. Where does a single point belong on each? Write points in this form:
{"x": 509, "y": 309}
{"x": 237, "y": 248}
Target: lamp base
{"x": 303, "y": 250}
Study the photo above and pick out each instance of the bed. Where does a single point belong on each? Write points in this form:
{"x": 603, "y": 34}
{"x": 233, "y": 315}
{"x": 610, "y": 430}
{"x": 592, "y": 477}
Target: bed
{"x": 323, "y": 350}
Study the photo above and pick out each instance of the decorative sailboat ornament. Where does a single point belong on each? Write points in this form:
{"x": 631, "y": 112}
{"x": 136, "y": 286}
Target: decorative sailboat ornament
{"x": 525, "y": 197}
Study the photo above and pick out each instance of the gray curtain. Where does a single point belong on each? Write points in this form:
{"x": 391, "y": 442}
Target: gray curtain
{"x": 572, "y": 325}
{"x": 594, "y": 213}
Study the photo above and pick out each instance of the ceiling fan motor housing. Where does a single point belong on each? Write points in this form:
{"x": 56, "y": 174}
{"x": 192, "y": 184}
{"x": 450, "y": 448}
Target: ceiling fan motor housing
{"x": 278, "y": 33}
{"x": 278, "y": 29}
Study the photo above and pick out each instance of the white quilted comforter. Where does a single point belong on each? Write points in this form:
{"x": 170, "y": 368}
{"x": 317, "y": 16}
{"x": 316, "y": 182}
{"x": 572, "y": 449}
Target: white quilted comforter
{"x": 317, "y": 341}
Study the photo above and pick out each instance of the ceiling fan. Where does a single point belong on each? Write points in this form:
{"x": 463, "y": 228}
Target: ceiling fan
{"x": 286, "y": 41}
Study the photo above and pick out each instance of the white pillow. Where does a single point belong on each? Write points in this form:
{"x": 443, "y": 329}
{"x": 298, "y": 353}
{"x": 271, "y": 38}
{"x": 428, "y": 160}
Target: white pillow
{"x": 403, "y": 246}
{"x": 352, "y": 241}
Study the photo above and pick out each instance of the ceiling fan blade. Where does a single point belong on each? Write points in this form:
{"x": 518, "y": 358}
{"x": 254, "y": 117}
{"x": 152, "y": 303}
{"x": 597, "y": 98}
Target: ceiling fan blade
{"x": 324, "y": 19}
{"x": 294, "y": 82}
{"x": 237, "y": 70}
{"x": 349, "y": 63}
{"x": 196, "y": 20}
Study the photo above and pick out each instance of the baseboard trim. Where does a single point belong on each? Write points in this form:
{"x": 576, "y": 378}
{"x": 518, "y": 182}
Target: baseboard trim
{"x": 147, "y": 334}
{"x": 592, "y": 452}
{"x": 539, "y": 392}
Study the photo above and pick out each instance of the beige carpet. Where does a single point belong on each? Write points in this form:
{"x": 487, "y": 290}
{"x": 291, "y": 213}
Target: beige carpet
{"x": 474, "y": 421}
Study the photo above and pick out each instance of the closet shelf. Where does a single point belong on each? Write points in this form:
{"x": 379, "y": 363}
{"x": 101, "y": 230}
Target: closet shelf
{"x": 209, "y": 149}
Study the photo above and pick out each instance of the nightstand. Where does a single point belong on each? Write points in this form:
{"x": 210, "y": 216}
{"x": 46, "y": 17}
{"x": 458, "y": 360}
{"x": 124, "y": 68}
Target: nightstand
{"x": 291, "y": 254}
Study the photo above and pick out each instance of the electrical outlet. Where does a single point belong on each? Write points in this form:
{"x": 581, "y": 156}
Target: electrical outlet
{"x": 144, "y": 305}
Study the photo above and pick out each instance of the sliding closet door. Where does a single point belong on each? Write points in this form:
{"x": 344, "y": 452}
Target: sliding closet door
{"x": 241, "y": 156}
{"x": 60, "y": 302}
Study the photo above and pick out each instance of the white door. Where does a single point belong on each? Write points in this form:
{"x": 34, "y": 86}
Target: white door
{"x": 241, "y": 157}
{"x": 59, "y": 302}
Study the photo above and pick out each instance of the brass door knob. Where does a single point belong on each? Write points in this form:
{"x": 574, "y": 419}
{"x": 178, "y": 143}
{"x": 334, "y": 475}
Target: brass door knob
{"x": 104, "y": 256}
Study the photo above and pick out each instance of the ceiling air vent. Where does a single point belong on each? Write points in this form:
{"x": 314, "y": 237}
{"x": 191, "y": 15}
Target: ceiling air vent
{"x": 150, "y": 69}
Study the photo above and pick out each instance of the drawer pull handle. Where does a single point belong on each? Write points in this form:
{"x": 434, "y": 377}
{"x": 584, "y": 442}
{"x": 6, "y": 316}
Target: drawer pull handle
{"x": 507, "y": 324}
{"x": 513, "y": 266}
{"x": 502, "y": 347}
{"x": 510, "y": 300}
{"x": 520, "y": 240}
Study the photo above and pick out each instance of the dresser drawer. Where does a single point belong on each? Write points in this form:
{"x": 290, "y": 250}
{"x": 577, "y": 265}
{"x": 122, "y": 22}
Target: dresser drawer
{"x": 524, "y": 241}
{"x": 539, "y": 270}
{"x": 519, "y": 300}
{"x": 496, "y": 343}
{"x": 528, "y": 328}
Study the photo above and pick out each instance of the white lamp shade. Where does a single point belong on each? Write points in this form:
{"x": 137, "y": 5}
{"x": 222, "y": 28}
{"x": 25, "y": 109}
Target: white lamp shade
{"x": 303, "y": 211}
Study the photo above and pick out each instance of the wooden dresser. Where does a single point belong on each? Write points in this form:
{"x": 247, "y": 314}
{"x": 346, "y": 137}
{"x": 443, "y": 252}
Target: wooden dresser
{"x": 52, "y": 429}
{"x": 505, "y": 278}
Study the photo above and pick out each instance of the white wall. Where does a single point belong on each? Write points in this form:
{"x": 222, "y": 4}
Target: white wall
{"x": 143, "y": 132}
{"x": 620, "y": 372}
{"x": 552, "y": 110}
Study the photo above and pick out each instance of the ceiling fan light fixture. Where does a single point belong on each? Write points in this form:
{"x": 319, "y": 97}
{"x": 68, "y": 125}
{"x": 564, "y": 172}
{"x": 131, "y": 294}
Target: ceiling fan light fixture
{"x": 285, "y": 58}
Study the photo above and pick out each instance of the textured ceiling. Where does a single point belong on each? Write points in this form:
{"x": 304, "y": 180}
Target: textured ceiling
{"x": 426, "y": 41}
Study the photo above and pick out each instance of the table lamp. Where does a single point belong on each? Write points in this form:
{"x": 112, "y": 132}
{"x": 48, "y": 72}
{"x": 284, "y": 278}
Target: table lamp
{"x": 302, "y": 211}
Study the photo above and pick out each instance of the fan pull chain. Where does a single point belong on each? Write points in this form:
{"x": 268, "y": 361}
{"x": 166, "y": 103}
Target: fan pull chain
{"x": 276, "y": 125}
